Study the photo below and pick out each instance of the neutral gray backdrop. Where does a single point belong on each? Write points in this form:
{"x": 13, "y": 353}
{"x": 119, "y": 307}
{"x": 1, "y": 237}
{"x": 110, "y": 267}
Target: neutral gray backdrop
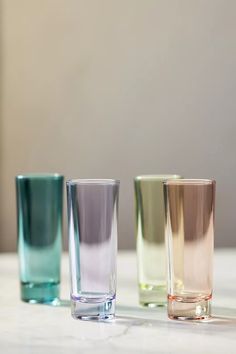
{"x": 113, "y": 89}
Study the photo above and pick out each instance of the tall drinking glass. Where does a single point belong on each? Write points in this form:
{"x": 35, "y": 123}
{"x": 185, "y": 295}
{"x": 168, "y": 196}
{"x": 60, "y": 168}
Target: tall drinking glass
{"x": 39, "y": 221}
{"x": 150, "y": 238}
{"x": 189, "y": 206}
{"x": 92, "y": 221}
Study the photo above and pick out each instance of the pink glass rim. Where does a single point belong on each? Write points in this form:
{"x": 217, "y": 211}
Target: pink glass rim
{"x": 186, "y": 182}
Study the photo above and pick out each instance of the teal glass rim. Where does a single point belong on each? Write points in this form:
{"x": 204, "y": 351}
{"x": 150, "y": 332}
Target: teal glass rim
{"x": 39, "y": 176}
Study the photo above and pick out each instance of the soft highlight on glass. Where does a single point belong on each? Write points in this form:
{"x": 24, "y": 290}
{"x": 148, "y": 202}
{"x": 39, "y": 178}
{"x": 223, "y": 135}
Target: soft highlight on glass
{"x": 150, "y": 238}
{"x": 39, "y": 224}
{"x": 92, "y": 220}
{"x": 189, "y": 210}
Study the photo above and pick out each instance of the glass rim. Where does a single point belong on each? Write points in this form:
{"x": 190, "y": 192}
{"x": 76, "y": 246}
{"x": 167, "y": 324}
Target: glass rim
{"x": 190, "y": 181}
{"x": 39, "y": 175}
{"x": 160, "y": 177}
{"x": 93, "y": 181}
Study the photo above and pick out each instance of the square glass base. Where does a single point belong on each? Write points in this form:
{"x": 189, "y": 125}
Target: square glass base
{"x": 152, "y": 295}
{"x": 96, "y": 311}
{"x": 180, "y": 309}
{"x": 47, "y": 292}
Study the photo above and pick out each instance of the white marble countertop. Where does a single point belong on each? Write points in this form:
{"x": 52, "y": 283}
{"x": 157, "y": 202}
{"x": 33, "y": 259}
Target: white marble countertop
{"x": 36, "y": 329}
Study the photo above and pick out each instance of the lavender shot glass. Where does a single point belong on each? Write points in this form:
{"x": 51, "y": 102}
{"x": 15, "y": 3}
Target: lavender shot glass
{"x": 92, "y": 222}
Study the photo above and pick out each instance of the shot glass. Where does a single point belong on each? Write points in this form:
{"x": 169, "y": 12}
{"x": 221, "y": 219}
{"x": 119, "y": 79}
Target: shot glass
{"x": 189, "y": 210}
{"x": 39, "y": 224}
{"x": 92, "y": 220}
{"x": 150, "y": 238}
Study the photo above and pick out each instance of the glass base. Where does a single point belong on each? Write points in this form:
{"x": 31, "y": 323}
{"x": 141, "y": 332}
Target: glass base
{"x": 95, "y": 311}
{"x": 152, "y": 295}
{"x": 180, "y": 309}
{"x": 40, "y": 292}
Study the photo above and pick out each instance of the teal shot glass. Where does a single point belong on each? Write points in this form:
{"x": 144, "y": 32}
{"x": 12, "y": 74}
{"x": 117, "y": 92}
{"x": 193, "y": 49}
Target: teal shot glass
{"x": 39, "y": 225}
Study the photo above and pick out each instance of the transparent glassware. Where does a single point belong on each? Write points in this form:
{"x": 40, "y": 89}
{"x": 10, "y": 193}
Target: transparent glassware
{"x": 150, "y": 238}
{"x": 189, "y": 210}
{"x": 39, "y": 224}
{"x": 92, "y": 221}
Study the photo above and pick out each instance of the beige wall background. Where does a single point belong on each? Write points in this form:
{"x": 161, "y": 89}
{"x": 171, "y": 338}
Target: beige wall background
{"x": 114, "y": 88}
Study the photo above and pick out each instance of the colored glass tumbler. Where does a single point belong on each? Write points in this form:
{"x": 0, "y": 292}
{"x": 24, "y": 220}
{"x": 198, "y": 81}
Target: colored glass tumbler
{"x": 92, "y": 220}
{"x": 39, "y": 224}
{"x": 150, "y": 238}
{"x": 189, "y": 206}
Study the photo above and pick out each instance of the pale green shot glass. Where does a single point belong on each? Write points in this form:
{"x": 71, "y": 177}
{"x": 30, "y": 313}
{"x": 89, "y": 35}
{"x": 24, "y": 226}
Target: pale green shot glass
{"x": 39, "y": 224}
{"x": 150, "y": 238}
